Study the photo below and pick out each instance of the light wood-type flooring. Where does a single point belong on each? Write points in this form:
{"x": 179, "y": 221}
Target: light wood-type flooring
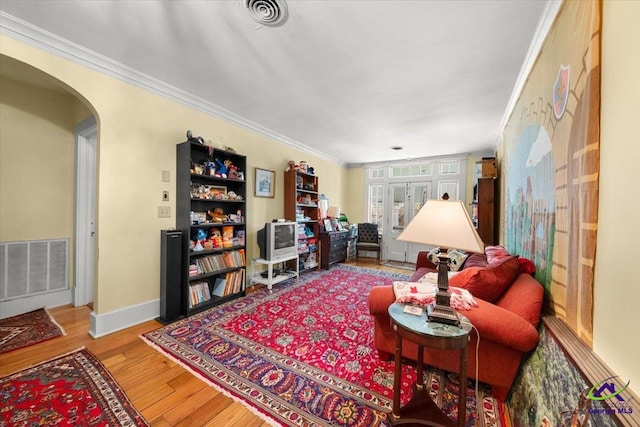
{"x": 164, "y": 392}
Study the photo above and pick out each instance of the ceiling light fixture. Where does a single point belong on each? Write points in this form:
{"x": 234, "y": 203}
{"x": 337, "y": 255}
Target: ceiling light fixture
{"x": 397, "y": 147}
{"x": 272, "y": 13}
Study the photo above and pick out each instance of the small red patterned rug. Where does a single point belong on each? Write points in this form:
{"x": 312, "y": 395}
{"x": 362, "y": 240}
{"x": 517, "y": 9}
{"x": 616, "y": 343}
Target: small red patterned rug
{"x": 304, "y": 354}
{"x": 70, "y": 390}
{"x": 28, "y": 329}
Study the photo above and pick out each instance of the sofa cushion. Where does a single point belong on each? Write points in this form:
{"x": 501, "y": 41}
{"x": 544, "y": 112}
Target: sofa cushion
{"x": 490, "y": 282}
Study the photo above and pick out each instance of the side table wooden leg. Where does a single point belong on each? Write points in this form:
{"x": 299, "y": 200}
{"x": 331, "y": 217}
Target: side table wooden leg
{"x": 462, "y": 395}
{"x": 396, "y": 377}
{"x": 420, "y": 368}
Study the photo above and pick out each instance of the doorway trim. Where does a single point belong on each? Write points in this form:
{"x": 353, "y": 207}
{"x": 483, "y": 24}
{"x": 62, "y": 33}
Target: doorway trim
{"x": 85, "y": 210}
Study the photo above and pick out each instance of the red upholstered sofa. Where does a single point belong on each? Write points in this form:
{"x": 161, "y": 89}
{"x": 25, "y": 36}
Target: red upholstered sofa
{"x": 507, "y": 328}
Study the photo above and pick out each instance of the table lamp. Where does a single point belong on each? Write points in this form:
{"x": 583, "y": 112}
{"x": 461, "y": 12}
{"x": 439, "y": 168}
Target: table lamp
{"x": 333, "y": 212}
{"x": 446, "y": 224}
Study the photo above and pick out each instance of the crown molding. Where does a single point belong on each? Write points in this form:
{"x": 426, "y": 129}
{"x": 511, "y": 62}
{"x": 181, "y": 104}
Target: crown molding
{"x": 544, "y": 25}
{"x": 32, "y": 35}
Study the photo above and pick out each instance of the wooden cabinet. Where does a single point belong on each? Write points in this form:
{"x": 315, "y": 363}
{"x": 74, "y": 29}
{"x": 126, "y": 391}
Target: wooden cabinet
{"x": 210, "y": 212}
{"x": 485, "y": 210}
{"x": 334, "y": 247}
{"x": 301, "y": 205}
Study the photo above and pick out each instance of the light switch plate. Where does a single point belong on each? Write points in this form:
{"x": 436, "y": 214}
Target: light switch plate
{"x": 166, "y": 176}
{"x": 164, "y": 211}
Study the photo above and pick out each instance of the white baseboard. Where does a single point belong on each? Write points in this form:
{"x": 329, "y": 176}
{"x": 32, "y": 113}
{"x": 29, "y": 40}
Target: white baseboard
{"x": 107, "y": 323}
{"x": 33, "y": 302}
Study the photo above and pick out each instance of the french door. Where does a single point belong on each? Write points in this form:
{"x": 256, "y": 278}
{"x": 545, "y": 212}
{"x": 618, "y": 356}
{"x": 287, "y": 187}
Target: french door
{"x": 405, "y": 200}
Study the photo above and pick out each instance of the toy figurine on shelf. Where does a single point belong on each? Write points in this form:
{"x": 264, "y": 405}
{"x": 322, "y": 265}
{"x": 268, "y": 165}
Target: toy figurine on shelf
{"x": 223, "y": 168}
{"x": 217, "y": 215}
{"x": 303, "y": 166}
{"x": 233, "y": 172}
{"x": 196, "y": 139}
{"x": 291, "y": 166}
{"x": 200, "y": 238}
{"x": 227, "y": 236}
{"x": 216, "y": 238}
{"x": 210, "y": 168}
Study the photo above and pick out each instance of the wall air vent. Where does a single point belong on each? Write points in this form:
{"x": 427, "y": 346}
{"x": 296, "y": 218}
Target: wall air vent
{"x": 272, "y": 13}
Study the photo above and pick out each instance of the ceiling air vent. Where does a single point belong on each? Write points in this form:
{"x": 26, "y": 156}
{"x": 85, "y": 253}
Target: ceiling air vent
{"x": 272, "y": 13}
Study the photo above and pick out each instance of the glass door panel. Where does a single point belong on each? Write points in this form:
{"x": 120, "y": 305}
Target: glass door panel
{"x": 397, "y": 215}
{"x": 419, "y": 193}
{"x": 406, "y": 201}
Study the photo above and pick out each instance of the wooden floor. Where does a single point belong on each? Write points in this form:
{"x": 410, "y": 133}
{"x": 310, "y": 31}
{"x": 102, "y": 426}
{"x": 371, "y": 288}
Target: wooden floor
{"x": 164, "y": 392}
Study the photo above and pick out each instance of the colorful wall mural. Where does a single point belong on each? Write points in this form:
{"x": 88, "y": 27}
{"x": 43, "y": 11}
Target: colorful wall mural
{"x": 550, "y": 165}
{"x": 551, "y": 392}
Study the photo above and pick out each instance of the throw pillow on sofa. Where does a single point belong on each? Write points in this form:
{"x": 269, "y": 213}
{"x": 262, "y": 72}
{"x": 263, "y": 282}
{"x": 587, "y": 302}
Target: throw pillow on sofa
{"x": 476, "y": 260}
{"x": 433, "y": 255}
{"x": 495, "y": 253}
{"x": 490, "y": 282}
{"x": 456, "y": 258}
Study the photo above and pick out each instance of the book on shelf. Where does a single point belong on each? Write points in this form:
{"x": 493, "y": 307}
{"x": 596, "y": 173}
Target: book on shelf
{"x": 231, "y": 283}
{"x": 193, "y": 270}
{"x": 198, "y": 293}
{"x": 219, "y": 286}
{"x": 211, "y": 263}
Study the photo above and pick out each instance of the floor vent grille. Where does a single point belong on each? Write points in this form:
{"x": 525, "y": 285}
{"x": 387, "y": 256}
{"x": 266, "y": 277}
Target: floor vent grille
{"x": 33, "y": 267}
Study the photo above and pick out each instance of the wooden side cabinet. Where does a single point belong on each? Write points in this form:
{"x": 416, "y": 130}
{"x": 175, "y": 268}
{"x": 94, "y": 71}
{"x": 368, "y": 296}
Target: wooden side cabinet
{"x": 333, "y": 246}
{"x": 486, "y": 210}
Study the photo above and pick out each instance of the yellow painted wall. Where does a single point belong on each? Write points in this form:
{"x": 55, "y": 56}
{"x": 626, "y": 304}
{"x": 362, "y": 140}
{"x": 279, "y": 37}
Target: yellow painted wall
{"x": 37, "y": 144}
{"x": 355, "y": 192}
{"x": 138, "y": 132}
{"x": 616, "y": 336}
{"x": 36, "y": 163}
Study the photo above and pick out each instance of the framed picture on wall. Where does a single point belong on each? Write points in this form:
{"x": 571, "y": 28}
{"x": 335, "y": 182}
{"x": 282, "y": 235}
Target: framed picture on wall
{"x": 265, "y": 183}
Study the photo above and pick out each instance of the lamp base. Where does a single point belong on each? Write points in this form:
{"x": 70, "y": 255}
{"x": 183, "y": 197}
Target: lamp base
{"x": 442, "y": 314}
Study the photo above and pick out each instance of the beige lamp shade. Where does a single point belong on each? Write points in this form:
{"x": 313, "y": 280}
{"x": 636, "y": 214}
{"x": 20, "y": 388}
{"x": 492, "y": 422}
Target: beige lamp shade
{"x": 445, "y": 224}
{"x": 333, "y": 212}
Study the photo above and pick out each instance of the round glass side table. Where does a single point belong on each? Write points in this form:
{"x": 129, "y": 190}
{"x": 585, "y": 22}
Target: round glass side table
{"x": 421, "y": 409}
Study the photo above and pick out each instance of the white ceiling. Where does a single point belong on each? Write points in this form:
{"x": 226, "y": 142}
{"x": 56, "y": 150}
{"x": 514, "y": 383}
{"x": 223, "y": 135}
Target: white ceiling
{"x": 348, "y": 79}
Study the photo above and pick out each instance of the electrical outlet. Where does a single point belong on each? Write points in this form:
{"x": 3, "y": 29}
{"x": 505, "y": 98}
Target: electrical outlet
{"x": 166, "y": 176}
{"x": 165, "y": 196}
{"x": 164, "y": 211}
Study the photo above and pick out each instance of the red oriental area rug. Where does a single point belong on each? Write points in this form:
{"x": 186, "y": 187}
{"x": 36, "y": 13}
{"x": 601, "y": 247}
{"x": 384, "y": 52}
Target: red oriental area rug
{"x": 304, "y": 354}
{"x": 70, "y": 390}
{"x": 28, "y": 329}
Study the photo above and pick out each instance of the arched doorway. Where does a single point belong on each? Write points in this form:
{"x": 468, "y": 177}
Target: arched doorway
{"x": 39, "y": 191}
